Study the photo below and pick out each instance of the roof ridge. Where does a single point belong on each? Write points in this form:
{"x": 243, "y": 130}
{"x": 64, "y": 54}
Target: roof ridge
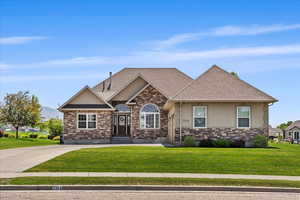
{"x": 150, "y": 67}
{"x": 194, "y": 80}
{"x": 184, "y": 74}
{"x": 111, "y": 77}
{"x": 250, "y": 85}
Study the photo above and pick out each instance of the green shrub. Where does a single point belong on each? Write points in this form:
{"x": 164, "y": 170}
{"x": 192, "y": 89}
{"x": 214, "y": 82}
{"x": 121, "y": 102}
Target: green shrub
{"x": 55, "y": 127}
{"x": 237, "y": 144}
{"x": 56, "y": 138}
{"x": 189, "y": 141}
{"x": 206, "y": 143}
{"x": 5, "y": 135}
{"x": 260, "y": 141}
{"x": 24, "y": 136}
{"x": 42, "y": 137}
{"x": 33, "y": 135}
{"x": 222, "y": 143}
{"x": 11, "y": 136}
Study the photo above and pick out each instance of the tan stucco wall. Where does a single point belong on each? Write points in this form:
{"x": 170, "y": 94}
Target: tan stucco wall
{"x": 130, "y": 90}
{"x": 223, "y": 115}
{"x": 86, "y": 97}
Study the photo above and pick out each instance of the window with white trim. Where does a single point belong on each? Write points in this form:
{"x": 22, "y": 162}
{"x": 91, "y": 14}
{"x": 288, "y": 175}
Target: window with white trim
{"x": 199, "y": 116}
{"x": 243, "y": 116}
{"x": 149, "y": 116}
{"x": 86, "y": 121}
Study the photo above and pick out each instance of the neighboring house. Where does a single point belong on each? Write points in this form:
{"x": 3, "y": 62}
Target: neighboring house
{"x": 275, "y": 133}
{"x": 293, "y": 131}
{"x": 153, "y": 105}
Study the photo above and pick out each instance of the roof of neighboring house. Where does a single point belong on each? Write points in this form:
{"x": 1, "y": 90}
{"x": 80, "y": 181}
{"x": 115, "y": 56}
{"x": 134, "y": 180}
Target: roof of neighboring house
{"x": 166, "y": 80}
{"x": 218, "y": 85}
{"x": 274, "y": 131}
{"x": 293, "y": 125}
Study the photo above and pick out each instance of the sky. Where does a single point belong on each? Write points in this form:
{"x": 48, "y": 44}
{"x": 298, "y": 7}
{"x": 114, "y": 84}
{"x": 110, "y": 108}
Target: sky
{"x": 54, "y": 48}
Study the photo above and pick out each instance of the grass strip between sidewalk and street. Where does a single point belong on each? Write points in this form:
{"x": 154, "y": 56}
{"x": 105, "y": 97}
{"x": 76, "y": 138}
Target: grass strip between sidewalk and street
{"x": 146, "y": 181}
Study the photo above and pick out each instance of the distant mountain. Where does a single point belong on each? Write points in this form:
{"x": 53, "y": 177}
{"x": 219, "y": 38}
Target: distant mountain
{"x": 48, "y": 113}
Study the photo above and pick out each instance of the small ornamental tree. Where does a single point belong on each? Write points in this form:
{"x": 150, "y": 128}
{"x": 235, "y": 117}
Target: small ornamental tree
{"x": 20, "y": 109}
{"x": 55, "y": 127}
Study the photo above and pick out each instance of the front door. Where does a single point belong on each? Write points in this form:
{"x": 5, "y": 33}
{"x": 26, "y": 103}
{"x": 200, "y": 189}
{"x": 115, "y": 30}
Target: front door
{"x": 296, "y": 135}
{"x": 121, "y": 125}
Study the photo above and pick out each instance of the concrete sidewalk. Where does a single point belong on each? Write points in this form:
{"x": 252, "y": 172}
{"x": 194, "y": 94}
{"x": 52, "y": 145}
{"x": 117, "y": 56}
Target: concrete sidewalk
{"x": 158, "y": 175}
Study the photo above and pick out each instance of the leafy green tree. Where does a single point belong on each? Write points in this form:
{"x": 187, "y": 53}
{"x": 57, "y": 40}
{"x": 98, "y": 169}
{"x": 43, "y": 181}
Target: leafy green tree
{"x": 55, "y": 127}
{"x": 283, "y": 126}
{"x": 234, "y": 74}
{"x": 20, "y": 109}
{"x": 35, "y": 110}
{"x": 43, "y": 126}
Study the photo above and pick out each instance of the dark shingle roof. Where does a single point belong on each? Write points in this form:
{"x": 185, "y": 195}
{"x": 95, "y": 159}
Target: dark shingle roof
{"x": 86, "y": 106}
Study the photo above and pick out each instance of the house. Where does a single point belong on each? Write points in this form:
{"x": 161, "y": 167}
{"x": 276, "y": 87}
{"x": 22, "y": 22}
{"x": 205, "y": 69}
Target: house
{"x": 275, "y": 132}
{"x": 154, "y": 105}
{"x": 293, "y": 131}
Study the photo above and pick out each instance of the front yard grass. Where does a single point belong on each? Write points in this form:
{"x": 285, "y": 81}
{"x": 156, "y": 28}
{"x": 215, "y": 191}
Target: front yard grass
{"x": 279, "y": 159}
{"x": 7, "y": 143}
{"x": 146, "y": 181}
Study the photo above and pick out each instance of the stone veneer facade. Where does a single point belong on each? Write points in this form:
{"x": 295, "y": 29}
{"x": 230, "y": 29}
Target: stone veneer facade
{"x": 102, "y": 133}
{"x": 138, "y": 135}
{"x": 221, "y": 133}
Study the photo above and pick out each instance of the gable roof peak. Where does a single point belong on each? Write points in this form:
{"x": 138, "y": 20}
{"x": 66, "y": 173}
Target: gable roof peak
{"x": 216, "y": 84}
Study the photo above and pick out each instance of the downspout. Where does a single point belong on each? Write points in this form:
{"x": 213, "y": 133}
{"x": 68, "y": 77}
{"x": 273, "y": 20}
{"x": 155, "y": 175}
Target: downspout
{"x": 180, "y": 136}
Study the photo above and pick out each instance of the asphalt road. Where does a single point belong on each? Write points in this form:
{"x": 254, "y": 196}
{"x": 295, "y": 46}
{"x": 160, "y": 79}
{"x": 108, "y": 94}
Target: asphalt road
{"x": 143, "y": 195}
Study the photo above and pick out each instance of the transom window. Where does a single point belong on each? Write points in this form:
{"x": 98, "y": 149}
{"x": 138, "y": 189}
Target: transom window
{"x": 243, "y": 116}
{"x": 199, "y": 116}
{"x": 86, "y": 121}
{"x": 149, "y": 116}
{"x": 122, "y": 108}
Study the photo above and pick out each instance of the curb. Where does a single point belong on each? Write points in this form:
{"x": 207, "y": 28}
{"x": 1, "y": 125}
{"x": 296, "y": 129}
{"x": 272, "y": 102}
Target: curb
{"x": 149, "y": 188}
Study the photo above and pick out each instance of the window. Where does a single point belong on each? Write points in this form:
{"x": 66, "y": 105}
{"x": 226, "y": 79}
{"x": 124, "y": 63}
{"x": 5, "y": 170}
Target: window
{"x": 122, "y": 108}
{"x": 149, "y": 116}
{"x": 199, "y": 116}
{"x": 243, "y": 116}
{"x": 86, "y": 121}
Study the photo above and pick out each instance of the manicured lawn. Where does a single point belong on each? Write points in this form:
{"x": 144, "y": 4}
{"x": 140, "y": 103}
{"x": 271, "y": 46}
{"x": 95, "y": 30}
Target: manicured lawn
{"x": 279, "y": 159}
{"x": 7, "y": 143}
{"x": 145, "y": 181}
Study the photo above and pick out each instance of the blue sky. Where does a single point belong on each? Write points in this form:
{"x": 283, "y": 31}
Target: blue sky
{"x": 54, "y": 48}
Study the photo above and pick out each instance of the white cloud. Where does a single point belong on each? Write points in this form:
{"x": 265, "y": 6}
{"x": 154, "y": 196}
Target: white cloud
{"x": 252, "y": 30}
{"x": 11, "y": 79}
{"x": 162, "y": 58}
{"x": 20, "y": 40}
{"x": 223, "y": 31}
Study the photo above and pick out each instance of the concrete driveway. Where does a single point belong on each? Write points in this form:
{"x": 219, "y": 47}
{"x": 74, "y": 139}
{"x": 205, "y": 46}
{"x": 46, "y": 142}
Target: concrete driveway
{"x": 20, "y": 159}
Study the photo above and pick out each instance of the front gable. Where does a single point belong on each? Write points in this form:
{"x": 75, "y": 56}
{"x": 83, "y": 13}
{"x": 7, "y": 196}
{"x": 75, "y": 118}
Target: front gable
{"x": 85, "y": 99}
{"x": 149, "y": 94}
{"x": 130, "y": 90}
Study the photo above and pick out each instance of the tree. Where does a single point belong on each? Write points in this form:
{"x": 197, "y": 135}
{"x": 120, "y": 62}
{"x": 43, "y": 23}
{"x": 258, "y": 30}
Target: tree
{"x": 20, "y": 109}
{"x": 283, "y": 126}
{"x": 55, "y": 127}
{"x": 234, "y": 74}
